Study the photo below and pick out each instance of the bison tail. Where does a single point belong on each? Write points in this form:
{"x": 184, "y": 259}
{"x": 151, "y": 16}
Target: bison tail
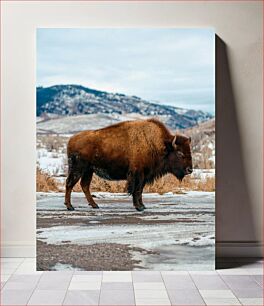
{"x": 72, "y": 162}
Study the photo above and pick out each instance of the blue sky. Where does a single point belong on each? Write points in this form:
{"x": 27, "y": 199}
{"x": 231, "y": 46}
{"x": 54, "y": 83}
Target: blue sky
{"x": 169, "y": 66}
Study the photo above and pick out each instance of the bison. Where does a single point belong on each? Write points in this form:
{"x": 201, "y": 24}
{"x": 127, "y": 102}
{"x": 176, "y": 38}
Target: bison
{"x": 137, "y": 151}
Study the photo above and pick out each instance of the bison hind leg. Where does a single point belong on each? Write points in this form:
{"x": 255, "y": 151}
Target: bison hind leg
{"x": 74, "y": 174}
{"x": 71, "y": 180}
{"x": 85, "y": 184}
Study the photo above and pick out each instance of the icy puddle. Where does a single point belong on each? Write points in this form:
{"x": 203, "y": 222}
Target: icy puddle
{"x": 175, "y": 232}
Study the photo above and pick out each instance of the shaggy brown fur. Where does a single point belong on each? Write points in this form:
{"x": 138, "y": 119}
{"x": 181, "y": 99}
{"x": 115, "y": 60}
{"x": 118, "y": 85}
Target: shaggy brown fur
{"x": 136, "y": 151}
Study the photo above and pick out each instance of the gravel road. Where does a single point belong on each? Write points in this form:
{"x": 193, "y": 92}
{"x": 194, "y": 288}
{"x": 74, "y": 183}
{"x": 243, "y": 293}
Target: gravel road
{"x": 175, "y": 232}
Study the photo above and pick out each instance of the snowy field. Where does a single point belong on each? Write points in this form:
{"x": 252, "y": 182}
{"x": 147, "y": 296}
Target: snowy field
{"x": 72, "y": 124}
{"x": 175, "y": 232}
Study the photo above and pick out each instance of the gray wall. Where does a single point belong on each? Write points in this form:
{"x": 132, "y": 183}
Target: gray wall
{"x": 238, "y": 26}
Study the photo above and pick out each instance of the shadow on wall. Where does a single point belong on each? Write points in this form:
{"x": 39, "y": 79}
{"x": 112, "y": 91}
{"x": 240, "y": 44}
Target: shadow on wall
{"x": 234, "y": 215}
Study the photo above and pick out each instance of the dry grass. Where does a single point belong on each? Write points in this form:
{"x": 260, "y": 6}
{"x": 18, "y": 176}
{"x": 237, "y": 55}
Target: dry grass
{"x": 99, "y": 184}
{"x": 206, "y": 185}
{"x": 45, "y": 182}
{"x": 168, "y": 183}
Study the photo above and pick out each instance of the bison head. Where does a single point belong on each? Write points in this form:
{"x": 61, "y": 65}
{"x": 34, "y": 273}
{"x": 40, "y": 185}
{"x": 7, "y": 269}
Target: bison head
{"x": 179, "y": 156}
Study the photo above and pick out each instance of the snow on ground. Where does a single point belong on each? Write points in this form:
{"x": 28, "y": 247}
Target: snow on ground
{"x": 178, "y": 229}
{"x": 77, "y": 123}
{"x": 52, "y": 163}
{"x": 73, "y": 124}
{"x": 203, "y": 173}
{"x": 138, "y": 236}
{"x": 39, "y": 119}
{"x": 64, "y": 267}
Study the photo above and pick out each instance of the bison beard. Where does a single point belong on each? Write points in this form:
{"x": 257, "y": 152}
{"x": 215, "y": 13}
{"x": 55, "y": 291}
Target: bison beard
{"x": 136, "y": 151}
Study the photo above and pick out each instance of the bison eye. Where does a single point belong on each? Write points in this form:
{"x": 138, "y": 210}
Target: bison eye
{"x": 180, "y": 154}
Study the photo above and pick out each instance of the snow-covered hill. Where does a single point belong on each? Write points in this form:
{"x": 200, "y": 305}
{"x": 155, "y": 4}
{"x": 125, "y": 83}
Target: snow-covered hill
{"x": 72, "y": 100}
{"x": 73, "y": 124}
{"x": 203, "y": 144}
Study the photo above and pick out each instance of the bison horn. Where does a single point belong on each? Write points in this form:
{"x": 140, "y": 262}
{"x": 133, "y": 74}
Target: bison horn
{"x": 174, "y": 142}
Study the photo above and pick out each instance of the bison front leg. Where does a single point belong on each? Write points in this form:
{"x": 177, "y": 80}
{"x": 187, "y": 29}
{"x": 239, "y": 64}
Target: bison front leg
{"x": 136, "y": 201}
{"x": 85, "y": 184}
{"x": 141, "y": 200}
{"x": 135, "y": 187}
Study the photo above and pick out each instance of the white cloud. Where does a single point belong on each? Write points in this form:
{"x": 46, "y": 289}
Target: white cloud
{"x": 170, "y": 65}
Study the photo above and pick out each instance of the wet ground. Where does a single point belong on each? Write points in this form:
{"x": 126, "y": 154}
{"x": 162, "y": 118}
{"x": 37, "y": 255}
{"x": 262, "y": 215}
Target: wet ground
{"x": 175, "y": 232}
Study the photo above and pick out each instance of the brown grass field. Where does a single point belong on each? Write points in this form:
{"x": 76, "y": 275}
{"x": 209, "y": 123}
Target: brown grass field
{"x": 45, "y": 182}
{"x": 168, "y": 183}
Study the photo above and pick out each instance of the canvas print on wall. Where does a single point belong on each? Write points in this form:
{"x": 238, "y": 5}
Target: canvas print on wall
{"x": 125, "y": 149}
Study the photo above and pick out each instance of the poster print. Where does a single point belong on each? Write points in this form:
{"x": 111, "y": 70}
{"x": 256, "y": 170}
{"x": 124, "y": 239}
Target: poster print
{"x": 125, "y": 149}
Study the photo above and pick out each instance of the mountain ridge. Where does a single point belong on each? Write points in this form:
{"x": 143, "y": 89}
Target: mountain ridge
{"x": 70, "y": 100}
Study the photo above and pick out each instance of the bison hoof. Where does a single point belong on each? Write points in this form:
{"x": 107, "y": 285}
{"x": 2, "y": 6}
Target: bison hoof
{"x": 140, "y": 208}
{"x": 96, "y": 207}
{"x": 70, "y": 208}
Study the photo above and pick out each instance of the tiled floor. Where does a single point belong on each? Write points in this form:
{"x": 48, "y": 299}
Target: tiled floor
{"x": 239, "y": 283}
